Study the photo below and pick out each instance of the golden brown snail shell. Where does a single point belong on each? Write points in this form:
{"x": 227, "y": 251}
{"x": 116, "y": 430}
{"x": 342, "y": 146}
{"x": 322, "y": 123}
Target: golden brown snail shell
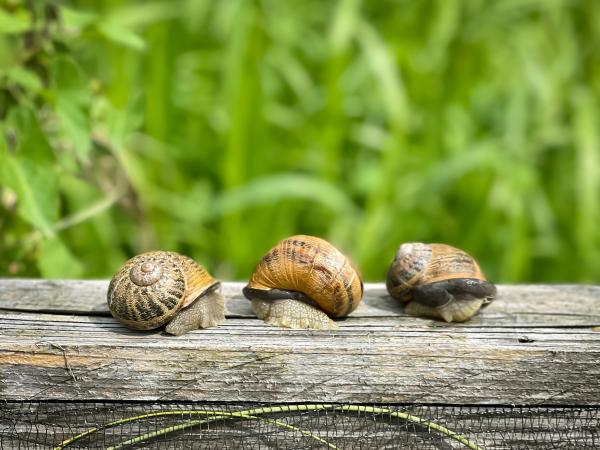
{"x": 438, "y": 280}
{"x": 150, "y": 289}
{"x": 310, "y": 270}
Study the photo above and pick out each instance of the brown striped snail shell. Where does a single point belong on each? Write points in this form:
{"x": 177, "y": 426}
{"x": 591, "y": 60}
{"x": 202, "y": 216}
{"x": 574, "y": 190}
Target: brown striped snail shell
{"x": 165, "y": 288}
{"x": 302, "y": 282}
{"x": 439, "y": 281}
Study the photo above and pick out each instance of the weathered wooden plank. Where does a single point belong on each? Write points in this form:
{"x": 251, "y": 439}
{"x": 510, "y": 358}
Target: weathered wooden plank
{"x": 40, "y": 425}
{"x": 534, "y": 345}
{"x": 520, "y": 305}
{"x": 367, "y": 360}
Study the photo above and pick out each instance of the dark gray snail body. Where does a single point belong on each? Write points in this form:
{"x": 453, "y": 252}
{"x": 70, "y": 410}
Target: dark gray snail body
{"x": 439, "y": 281}
{"x": 165, "y": 288}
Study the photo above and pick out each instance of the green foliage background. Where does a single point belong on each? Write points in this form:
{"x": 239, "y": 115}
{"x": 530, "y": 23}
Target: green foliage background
{"x": 216, "y": 128}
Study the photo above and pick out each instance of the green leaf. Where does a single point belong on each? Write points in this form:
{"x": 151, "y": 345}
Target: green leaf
{"x": 272, "y": 189}
{"x": 56, "y": 261}
{"x": 3, "y": 153}
{"x": 69, "y": 78}
{"x": 386, "y": 72}
{"x": 76, "y": 125}
{"x": 25, "y": 78}
{"x": 31, "y": 140}
{"x": 184, "y": 205}
{"x": 121, "y": 35}
{"x": 146, "y": 13}
{"x": 76, "y": 19}
{"x": 37, "y": 192}
{"x": 73, "y": 99}
{"x": 15, "y": 23}
{"x": 88, "y": 224}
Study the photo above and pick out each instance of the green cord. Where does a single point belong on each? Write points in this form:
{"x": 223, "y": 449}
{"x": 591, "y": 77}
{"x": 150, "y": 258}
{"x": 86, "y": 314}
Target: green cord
{"x": 252, "y": 413}
{"x": 218, "y": 415}
{"x": 223, "y": 415}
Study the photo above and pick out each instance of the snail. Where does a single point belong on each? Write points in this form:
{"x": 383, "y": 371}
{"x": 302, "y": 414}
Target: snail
{"x": 165, "y": 288}
{"x": 439, "y": 281}
{"x": 303, "y": 282}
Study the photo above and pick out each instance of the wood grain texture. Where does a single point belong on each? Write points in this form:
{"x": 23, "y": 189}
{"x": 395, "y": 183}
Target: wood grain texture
{"x": 516, "y": 305}
{"x": 375, "y": 356}
{"x": 67, "y": 357}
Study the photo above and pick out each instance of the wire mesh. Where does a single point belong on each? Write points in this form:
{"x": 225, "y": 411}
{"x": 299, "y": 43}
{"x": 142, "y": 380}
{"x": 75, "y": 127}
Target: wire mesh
{"x": 100, "y": 425}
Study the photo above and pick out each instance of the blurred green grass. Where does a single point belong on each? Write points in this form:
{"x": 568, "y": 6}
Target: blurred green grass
{"x": 217, "y": 128}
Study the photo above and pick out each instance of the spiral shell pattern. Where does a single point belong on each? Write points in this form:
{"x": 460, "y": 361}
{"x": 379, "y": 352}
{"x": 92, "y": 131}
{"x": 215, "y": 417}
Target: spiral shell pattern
{"x": 312, "y": 267}
{"x": 152, "y": 287}
{"x": 418, "y": 264}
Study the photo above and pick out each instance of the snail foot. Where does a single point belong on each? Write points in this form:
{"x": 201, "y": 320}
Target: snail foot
{"x": 205, "y": 312}
{"x": 289, "y": 313}
{"x": 453, "y": 311}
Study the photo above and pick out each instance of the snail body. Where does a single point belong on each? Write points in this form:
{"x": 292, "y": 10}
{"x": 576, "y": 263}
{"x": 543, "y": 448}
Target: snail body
{"x": 439, "y": 281}
{"x": 303, "y": 282}
{"x": 165, "y": 288}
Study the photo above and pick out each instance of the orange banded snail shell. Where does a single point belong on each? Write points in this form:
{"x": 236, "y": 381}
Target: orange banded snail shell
{"x": 439, "y": 281}
{"x": 302, "y": 282}
{"x": 158, "y": 288}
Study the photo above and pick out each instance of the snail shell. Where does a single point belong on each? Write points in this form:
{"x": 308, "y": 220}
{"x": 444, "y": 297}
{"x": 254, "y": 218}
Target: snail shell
{"x": 150, "y": 289}
{"x": 309, "y": 270}
{"x": 438, "y": 280}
